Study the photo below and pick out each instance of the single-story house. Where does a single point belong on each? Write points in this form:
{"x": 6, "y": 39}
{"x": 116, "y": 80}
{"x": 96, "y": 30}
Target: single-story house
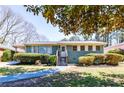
{"x": 71, "y": 50}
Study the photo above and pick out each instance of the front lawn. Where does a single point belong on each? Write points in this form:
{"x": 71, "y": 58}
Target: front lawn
{"x": 21, "y": 69}
{"x": 93, "y": 76}
{"x": 75, "y": 76}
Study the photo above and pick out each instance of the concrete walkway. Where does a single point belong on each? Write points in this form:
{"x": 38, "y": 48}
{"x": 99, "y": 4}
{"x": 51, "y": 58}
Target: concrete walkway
{"x": 28, "y": 75}
{"x": 4, "y": 64}
{"x": 12, "y": 63}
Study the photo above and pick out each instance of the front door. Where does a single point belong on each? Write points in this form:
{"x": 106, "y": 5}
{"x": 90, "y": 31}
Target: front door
{"x": 63, "y": 55}
{"x": 63, "y": 51}
{"x": 63, "y": 48}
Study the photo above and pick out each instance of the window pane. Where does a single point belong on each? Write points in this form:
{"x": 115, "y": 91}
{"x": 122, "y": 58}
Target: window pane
{"x": 45, "y": 50}
{"x": 82, "y": 48}
{"x": 49, "y": 50}
{"x": 90, "y": 48}
{"x": 35, "y": 49}
{"x": 28, "y": 49}
{"x": 97, "y": 48}
{"x": 74, "y": 48}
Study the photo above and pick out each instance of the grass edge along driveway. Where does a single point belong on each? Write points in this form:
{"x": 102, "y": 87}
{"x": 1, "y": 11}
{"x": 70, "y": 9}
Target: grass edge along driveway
{"x": 10, "y": 70}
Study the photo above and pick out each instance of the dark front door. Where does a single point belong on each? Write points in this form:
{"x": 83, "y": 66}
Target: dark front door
{"x": 63, "y": 48}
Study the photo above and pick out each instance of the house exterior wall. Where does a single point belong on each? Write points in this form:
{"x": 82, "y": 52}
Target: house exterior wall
{"x": 42, "y": 49}
{"x": 54, "y": 49}
{"x": 28, "y": 49}
{"x": 74, "y": 55}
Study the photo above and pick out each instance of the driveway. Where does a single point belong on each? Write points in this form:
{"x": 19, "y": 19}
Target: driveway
{"x": 6, "y": 64}
{"x": 3, "y": 64}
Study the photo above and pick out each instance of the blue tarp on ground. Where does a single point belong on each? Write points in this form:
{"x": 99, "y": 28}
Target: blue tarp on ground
{"x": 28, "y": 75}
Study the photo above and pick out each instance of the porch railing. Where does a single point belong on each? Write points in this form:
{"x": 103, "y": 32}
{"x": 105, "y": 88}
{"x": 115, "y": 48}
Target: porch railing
{"x": 57, "y": 55}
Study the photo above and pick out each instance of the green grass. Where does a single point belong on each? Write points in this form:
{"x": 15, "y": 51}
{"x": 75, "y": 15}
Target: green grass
{"x": 21, "y": 69}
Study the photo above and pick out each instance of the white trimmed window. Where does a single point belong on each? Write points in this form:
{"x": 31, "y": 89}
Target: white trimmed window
{"x": 97, "y": 48}
{"x": 90, "y": 48}
{"x": 82, "y": 48}
{"x": 74, "y": 48}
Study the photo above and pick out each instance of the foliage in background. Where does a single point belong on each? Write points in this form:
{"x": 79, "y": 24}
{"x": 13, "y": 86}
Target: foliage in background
{"x": 92, "y": 22}
{"x": 118, "y": 51}
{"x": 100, "y": 19}
{"x": 7, "y": 56}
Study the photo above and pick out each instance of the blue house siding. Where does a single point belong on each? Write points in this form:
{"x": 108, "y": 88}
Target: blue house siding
{"x": 54, "y": 49}
{"x": 28, "y": 49}
{"x": 74, "y": 55}
{"x": 39, "y": 49}
{"x": 42, "y": 49}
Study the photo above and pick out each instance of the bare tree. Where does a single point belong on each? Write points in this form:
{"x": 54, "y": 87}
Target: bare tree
{"x": 9, "y": 24}
{"x": 13, "y": 29}
{"x": 30, "y": 35}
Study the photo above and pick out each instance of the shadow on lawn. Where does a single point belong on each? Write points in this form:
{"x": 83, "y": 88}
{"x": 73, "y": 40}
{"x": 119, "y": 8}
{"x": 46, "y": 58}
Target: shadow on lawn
{"x": 119, "y": 76}
{"x": 66, "y": 80}
{"x": 79, "y": 80}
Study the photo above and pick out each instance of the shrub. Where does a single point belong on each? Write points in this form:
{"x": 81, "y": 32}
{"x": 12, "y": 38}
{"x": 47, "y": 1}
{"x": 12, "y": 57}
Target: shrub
{"x": 6, "y": 56}
{"x": 26, "y": 57}
{"x": 113, "y": 58}
{"x": 123, "y": 59}
{"x": 52, "y": 59}
{"x": 44, "y": 58}
{"x": 118, "y": 51}
{"x": 98, "y": 58}
{"x": 30, "y": 57}
{"x": 35, "y": 58}
{"x": 86, "y": 60}
{"x": 12, "y": 54}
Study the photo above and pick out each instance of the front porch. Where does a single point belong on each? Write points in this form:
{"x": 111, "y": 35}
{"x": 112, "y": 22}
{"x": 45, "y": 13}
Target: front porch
{"x": 62, "y": 56}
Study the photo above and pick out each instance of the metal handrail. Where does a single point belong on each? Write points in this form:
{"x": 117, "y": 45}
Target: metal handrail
{"x": 57, "y": 55}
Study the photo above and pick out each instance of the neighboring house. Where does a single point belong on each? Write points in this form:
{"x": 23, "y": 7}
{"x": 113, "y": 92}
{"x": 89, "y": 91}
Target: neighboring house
{"x": 69, "y": 49}
{"x": 121, "y": 46}
{"x": 3, "y": 47}
{"x": 19, "y": 48}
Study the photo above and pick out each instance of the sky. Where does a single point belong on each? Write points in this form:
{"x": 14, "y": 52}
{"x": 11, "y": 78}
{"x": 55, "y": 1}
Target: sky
{"x": 42, "y": 27}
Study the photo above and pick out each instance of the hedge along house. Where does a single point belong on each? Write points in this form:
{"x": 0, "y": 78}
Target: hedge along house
{"x": 66, "y": 51}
